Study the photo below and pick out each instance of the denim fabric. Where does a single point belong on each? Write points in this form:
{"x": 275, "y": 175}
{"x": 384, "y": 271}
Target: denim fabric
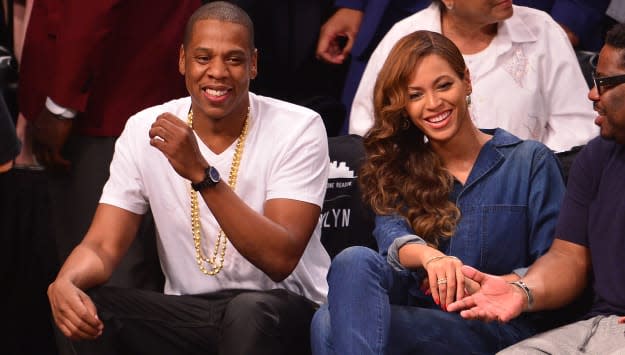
{"x": 509, "y": 205}
{"x": 398, "y": 243}
{"x": 373, "y": 313}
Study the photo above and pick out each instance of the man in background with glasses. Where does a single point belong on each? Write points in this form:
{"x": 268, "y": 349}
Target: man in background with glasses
{"x": 590, "y": 237}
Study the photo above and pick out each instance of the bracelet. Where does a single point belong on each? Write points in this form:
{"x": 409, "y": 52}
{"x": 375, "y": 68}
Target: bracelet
{"x": 528, "y": 293}
{"x": 434, "y": 258}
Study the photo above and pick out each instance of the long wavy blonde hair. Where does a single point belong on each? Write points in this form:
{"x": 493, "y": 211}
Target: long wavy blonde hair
{"x": 401, "y": 174}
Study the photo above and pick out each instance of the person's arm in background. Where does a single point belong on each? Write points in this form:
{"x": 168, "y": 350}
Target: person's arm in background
{"x": 82, "y": 32}
{"x": 342, "y": 26}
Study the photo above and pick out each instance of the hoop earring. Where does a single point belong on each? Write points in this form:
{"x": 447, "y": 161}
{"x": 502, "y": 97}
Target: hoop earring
{"x": 405, "y": 124}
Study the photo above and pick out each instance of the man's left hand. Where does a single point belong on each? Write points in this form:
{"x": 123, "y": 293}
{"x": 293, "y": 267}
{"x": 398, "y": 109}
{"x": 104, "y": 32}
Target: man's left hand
{"x": 174, "y": 138}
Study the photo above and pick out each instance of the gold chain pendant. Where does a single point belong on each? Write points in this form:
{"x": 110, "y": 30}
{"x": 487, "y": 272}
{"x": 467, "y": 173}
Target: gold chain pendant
{"x": 196, "y": 226}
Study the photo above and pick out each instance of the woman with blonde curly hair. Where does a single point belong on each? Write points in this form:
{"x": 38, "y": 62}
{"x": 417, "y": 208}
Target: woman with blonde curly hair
{"x": 445, "y": 194}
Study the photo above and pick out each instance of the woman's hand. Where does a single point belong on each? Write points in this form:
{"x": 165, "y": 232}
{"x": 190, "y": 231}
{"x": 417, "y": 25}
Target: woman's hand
{"x": 445, "y": 281}
{"x": 445, "y": 278}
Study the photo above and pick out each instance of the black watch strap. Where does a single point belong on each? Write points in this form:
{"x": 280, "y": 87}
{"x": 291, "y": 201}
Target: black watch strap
{"x": 211, "y": 178}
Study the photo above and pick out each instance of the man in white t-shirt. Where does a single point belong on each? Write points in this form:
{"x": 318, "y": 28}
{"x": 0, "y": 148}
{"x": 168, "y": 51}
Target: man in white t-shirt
{"x": 235, "y": 182}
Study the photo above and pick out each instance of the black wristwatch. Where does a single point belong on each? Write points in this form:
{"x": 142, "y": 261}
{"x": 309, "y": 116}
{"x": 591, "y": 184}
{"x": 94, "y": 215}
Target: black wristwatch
{"x": 211, "y": 178}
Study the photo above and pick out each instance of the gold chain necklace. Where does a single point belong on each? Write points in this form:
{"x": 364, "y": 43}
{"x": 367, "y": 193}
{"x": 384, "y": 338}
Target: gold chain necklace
{"x": 196, "y": 227}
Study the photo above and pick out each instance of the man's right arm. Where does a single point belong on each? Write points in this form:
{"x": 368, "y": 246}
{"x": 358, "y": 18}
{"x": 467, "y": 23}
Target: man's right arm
{"x": 559, "y": 276}
{"x": 554, "y": 280}
{"x": 90, "y": 264}
{"x": 93, "y": 260}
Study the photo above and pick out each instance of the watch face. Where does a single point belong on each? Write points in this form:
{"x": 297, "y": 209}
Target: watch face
{"x": 213, "y": 174}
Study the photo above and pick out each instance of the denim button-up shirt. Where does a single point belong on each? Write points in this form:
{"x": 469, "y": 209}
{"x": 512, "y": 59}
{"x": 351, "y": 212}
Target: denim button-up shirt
{"x": 509, "y": 206}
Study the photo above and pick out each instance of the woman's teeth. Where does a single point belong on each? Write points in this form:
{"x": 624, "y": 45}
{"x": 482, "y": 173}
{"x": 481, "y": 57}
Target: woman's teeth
{"x": 439, "y": 118}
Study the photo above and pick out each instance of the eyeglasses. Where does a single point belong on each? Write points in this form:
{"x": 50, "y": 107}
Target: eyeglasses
{"x": 602, "y": 83}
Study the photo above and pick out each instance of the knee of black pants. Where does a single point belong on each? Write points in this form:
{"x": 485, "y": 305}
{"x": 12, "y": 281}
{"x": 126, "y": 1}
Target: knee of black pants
{"x": 250, "y": 313}
{"x": 269, "y": 322}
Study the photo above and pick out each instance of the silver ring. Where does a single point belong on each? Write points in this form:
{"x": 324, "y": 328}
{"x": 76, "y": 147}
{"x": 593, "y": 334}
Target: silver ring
{"x": 442, "y": 280}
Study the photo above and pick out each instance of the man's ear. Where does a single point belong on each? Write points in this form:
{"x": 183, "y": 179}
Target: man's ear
{"x": 254, "y": 64}
{"x": 181, "y": 66}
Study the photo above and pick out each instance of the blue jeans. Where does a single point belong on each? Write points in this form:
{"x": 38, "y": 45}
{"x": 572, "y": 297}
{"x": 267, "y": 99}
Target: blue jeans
{"x": 374, "y": 309}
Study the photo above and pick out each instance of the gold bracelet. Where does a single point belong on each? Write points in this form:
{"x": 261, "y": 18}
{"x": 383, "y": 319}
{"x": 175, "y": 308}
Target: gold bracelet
{"x": 434, "y": 258}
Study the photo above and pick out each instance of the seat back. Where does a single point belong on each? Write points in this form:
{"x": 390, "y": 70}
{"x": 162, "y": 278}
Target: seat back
{"x": 345, "y": 219}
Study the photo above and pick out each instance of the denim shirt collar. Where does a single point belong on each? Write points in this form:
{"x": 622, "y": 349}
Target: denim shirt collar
{"x": 490, "y": 156}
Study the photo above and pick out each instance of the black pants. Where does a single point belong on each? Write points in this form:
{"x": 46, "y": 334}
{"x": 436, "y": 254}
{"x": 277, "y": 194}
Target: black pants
{"x": 28, "y": 263}
{"x": 228, "y": 322}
